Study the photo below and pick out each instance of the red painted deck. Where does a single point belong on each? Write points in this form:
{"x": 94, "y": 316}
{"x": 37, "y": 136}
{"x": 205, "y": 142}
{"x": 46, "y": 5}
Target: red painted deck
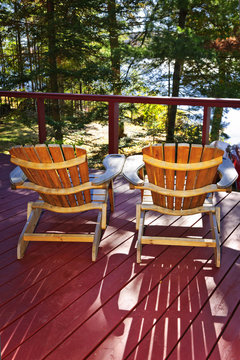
{"x": 56, "y": 304}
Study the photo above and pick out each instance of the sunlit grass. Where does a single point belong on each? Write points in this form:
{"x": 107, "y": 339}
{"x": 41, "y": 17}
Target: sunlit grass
{"x": 15, "y": 133}
{"x": 93, "y": 137}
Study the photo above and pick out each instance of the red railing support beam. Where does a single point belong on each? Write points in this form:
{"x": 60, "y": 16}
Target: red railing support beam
{"x": 206, "y": 125}
{"x": 113, "y": 115}
{"x": 41, "y": 120}
{"x": 115, "y": 100}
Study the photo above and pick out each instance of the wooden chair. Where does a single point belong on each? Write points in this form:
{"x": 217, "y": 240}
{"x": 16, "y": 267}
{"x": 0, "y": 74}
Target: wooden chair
{"x": 60, "y": 176}
{"x": 179, "y": 179}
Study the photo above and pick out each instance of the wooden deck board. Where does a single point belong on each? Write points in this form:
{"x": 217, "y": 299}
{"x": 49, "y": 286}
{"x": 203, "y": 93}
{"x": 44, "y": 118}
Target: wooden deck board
{"x": 228, "y": 344}
{"x": 56, "y": 304}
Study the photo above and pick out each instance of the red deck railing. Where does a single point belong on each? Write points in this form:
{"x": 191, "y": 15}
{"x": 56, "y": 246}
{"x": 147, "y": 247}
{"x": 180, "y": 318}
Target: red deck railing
{"x": 113, "y": 108}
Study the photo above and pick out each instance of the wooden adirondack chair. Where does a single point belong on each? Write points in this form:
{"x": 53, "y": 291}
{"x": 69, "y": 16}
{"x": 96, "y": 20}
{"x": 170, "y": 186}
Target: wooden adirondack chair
{"x": 60, "y": 176}
{"x": 179, "y": 178}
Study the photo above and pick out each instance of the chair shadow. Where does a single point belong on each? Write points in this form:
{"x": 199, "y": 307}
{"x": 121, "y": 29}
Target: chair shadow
{"x": 162, "y": 303}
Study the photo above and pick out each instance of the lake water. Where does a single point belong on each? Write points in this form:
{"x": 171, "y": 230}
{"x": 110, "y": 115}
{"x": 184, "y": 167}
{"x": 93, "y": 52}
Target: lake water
{"x": 233, "y": 129}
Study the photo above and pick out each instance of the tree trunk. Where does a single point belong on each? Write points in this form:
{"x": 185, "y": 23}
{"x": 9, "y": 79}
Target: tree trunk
{"x": 217, "y": 115}
{"x": 178, "y": 65}
{"x": 216, "y": 123}
{"x": 2, "y": 56}
{"x": 29, "y": 55}
{"x": 19, "y": 49}
{"x": 114, "y": 46}
{"x": 53, "y": 77}
{"x": 172, "y": 109}
{"x": 115, "y": 56}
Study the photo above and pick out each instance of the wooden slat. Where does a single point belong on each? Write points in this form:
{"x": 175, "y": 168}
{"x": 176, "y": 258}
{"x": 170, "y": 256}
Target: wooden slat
{"x": 182, "y": 158}
{"x": 67, "y": 210}
{"x": 211, "y": 172}
{"x": 57, "y": 156}
{"x": 38, "y": 177}
{"x": 159, "y": 173}
{"x": 150, "y": 171}
{"x": 83, "y": 170}
{"x": 41, "y": 177}
{"x": 69, "y": 153}
{"x": 154, "y": 240}
{"x": 98, "y": 195}
{"x": 49, "y": 166}
{"x": 178, "y": 193}
{"x": 175, "y": 166}
{"x": 18, "y": 151}
{"x": 58, "y": 237}
{"x": 195, "y": 156}
{"x": 200, "y": 168}
{"x": 169, "y": 155}
{"x": 119, "y": 309}
{"x": 51, "y": 178}
{"x": 202, "y": 179}
{"x": 150, "y": 207}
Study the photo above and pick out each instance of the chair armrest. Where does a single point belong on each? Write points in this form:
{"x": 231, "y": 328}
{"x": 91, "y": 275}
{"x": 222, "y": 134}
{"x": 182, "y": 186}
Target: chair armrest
{"x": 131, "y": 167}
{"x": 134, "y": 163}
{"x": 17, "y": 177}
{"x": 228, "y": 174}
{"x": 227, "y": 170}
{"x": 113, "y": 164}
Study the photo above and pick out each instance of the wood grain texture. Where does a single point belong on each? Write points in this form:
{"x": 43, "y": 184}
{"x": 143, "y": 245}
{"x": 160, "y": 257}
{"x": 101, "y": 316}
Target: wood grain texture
{"x": 50, "y": 170}
{"x": 169, "y": 156}
{"x": 177, "y": 172}
{"x": 57, "y": 304}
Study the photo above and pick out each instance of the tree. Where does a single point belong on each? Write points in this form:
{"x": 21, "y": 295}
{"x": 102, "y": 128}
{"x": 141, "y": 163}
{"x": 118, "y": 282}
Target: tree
{"x": 216, "y": 74}
{"x": 94, "y": 46}
{"x": 180, "y": 40}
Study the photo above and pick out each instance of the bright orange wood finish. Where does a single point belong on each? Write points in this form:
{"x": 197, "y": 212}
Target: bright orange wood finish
{"x": 57, "y": 304}
{"x": 62, "y": 189}
{"x": 185, "y": 179}
{"x": 61, "y": 178}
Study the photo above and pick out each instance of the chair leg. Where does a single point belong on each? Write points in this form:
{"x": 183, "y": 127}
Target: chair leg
{"x": 138, "y": 215}
{"x": 111, "y": 195}
{"x": 215, "y": 234}
{"x": 33, "y": 217}
{"x": 97, "y": 237}
{"x": 140, "y": 234}
{"x": 218, "y": 215}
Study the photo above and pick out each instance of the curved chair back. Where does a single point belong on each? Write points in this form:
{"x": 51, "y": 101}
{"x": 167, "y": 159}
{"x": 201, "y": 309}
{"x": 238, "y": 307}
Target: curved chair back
{"x": 55, "y": 167}
{"x": 181, "y": 167}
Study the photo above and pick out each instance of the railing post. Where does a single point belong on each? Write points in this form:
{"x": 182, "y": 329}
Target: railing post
{"x": 206, "y": 125}
{"x": 113, "y": 115}
{"x": 42, "y": 133}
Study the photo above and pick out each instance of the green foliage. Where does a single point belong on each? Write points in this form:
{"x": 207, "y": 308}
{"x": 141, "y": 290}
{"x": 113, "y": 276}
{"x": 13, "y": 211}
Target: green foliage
{"x": 188, "y": 132}
{"x": 154, "y": 118}
{"x": 133, "y": 47}
{"x": 18, "y": 128}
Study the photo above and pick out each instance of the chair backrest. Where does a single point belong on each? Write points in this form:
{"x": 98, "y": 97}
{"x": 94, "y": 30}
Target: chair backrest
{"x": 181, "y": 167}
{"x": 55, "y": 166}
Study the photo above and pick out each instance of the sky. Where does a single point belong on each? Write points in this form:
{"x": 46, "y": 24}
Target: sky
{"x": 233, "y": 129}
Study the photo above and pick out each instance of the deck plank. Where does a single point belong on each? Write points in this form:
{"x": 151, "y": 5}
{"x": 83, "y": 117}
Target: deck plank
{"x": 187, "y": 303}
{"x": 145, "y": 322}
{"x": 207, "y": 326}
{"x": 82, "y": 306}
{"x": 175, "y": 300}
{"x": 228, "y": 344}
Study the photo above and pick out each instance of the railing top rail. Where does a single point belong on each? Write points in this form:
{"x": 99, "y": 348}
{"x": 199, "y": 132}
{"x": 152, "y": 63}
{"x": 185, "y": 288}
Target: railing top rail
{"x": 163, "y": 100}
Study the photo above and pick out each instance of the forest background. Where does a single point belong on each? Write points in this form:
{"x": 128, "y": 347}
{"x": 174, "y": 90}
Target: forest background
{"x": 153, "y": 47}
